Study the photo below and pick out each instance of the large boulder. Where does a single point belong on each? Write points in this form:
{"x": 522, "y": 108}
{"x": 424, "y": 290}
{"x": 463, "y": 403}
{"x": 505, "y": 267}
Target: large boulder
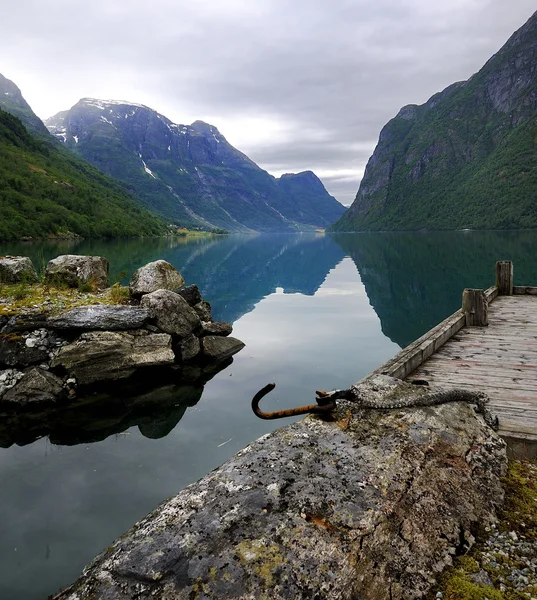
{"x": 373, "y": 505}
{"x": 158, "y": 275}
{"x": 171, "y": 312}
{"x": 73, "y": 270}
{"x": 108, "y": 355}
{"x": 17, "y": 269}
{"x": 101, "y": 317}
{"x": 216, "y": 348}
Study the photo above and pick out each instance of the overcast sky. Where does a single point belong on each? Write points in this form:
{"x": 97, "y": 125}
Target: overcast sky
{"x": 295, "y": 84}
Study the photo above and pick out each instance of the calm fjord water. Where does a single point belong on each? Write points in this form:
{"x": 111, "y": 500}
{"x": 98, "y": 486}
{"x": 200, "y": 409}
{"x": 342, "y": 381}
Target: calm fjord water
{"x": 314, "y": 312}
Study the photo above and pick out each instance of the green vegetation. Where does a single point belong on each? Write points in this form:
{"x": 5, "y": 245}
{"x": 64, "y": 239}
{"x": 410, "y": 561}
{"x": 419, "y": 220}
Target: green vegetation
{"x": 519, "y": 516}
{"x": 465, "y": 159}
{"x": 47, "y": 192}
{"x": 51, "y": 300}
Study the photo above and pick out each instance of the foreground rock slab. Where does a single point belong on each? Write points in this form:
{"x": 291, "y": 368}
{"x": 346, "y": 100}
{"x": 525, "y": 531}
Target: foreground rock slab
{"x": 372, "y": 505}
{"x": 101, "y": 317}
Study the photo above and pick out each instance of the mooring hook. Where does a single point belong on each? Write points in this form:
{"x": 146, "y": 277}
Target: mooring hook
{"x": 322, "y": 406}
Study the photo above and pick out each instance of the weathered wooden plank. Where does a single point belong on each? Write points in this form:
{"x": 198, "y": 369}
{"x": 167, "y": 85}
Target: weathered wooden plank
{"x": 409, "y": 358}
{"x": 475, "y": 308}
{"x": 491, "y": 293}
{"x": 525, "y": 289}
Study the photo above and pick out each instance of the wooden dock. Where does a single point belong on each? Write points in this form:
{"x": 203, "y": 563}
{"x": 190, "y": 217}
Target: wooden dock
{"x": 490, "y": 344}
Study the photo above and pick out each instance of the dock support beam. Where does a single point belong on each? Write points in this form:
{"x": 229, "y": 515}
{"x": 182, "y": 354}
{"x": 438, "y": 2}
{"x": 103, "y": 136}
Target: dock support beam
{"x": 504, "y": 277}
{"x": 475, "y": 308}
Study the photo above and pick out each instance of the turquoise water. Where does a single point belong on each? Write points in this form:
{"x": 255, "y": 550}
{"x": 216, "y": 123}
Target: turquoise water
{"x": 314, "y": 312}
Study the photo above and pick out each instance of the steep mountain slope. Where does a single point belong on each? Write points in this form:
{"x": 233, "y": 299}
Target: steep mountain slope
{"x": 11, "y": 101}
{"x": 188, "y": 173}
{"x": 45, "y": 191}
{"x": 467, "y": 158}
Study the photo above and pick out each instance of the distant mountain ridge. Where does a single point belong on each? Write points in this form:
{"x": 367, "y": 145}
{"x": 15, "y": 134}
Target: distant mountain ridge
{"x": 467, "y": 158}
{"x": 190, "y": 174}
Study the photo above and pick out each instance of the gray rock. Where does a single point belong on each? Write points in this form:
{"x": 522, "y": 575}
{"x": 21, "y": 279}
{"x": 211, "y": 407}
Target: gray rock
{"x": 35, "y": 386}
{"x": 158, "y": 275}
{"x": 316, "y": 510}
{"x": 17, "y": 269}
{"x": 190, "y": 293}
{"x": 189, "y": 348}
{"x": 18, "y": 351}
{"x": 108, "y": 355}
{"x": 481, "y": 578}
{"x": 101, "y": 317}
{"x": 203, "y": 309}
{"x": 217, "y": 348}
{"x": 216, "y": 328}
{"x": 73, "y": 270}
{"x": 171, "y": 312}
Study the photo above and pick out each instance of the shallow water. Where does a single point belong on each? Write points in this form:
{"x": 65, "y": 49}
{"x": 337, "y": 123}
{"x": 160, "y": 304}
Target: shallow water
{"x": 314, "y": 312}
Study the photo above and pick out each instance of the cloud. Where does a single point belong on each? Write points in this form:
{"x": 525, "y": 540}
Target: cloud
{"x": 296, "y": 86}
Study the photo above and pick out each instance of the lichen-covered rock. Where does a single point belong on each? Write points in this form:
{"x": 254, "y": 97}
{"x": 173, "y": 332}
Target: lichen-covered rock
{"x": 204, "y": 311}
{"x": 73, "y": 270}
{"x": 372, "y": 505}
{"x": 108, "y": 355}
{"x": 17, "y": 269}
{"x": 189, "y": 348}
{"x": 216, "y": 328}
{"x": 171, "y": 312}
{"x": 157, "y": 275}
{"x": 101, "y": 317}
{"x": 36, "y": 386}
{"x": 190, "y": 293}
{"x": 217, "y": 348}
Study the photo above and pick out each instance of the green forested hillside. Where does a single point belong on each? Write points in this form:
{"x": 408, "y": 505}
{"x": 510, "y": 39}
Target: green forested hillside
{"x": 47, "y": 192}
{"x": 465, "y": 159}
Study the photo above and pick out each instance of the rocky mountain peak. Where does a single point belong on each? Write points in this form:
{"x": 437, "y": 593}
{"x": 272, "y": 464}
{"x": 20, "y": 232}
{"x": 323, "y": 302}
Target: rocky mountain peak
{"x": 465, "y": 158}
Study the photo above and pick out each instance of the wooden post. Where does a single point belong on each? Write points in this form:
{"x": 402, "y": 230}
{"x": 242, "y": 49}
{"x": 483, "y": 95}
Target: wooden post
{"x": 504, "y": 277}
{"x": 475, "y": 308}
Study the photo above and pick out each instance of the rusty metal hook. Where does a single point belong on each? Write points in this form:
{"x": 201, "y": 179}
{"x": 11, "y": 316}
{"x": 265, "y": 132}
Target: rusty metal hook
{"x": 323, "y": 406}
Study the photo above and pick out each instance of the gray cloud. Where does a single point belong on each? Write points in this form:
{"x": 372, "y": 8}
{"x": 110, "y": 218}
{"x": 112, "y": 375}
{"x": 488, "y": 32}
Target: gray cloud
{"x": 295, "y": 85}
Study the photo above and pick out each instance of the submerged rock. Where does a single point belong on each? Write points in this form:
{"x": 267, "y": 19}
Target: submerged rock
{"x": 108, "y": 355}
{"x": 372, "y": 505}
{"x": 171, "y": 312}
{"x": 17, "y": 269}
{"x": 101, "y": 317}
{"x": 73, "y": 270}
{"x": 157, "y": 275}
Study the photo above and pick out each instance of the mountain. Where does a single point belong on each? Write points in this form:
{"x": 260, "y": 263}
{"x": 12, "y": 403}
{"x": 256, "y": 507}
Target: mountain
{"x": 46, "y": 191}
{"x": 11, "y": 101}
{"x": 467, "y": 158}
{"x": 190, "y": 174}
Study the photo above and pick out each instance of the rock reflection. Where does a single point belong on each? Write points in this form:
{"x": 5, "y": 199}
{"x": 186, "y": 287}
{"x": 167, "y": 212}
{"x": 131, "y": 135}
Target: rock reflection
{"x": 93, "y": 417}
